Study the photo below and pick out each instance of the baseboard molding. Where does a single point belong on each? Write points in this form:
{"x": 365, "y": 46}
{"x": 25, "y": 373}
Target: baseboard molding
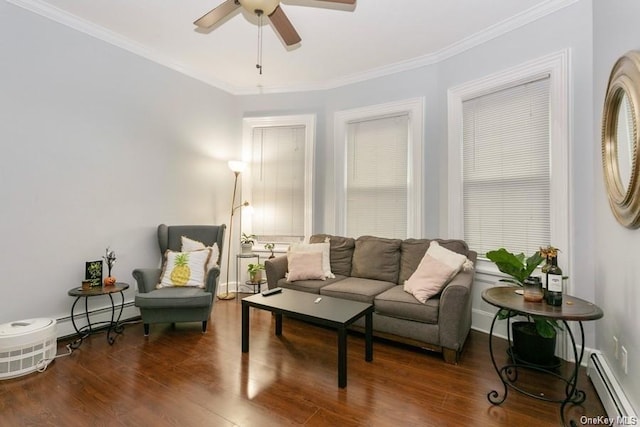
{"x": 615, "y": 402}
{"x": 64, "y": 326}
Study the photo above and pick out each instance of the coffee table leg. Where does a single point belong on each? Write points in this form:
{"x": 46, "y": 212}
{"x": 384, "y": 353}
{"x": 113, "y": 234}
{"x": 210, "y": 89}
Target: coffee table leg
{"x": 342, "y": 357}
{"x": 245, "y": 327}
{"x": 368, "y": 337}
{"x": 278, "y": 324}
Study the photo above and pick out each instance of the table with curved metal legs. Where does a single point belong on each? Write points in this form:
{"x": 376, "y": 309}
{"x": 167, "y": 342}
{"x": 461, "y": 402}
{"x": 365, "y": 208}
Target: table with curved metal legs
{"x": 572, "y": 309}
{"x": 113, "y": 326}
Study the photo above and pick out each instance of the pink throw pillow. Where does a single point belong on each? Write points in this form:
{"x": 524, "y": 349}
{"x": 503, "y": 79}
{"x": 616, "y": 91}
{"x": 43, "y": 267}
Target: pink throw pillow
{"x": 429, "y": 278}
{"x": 305, "y": 266}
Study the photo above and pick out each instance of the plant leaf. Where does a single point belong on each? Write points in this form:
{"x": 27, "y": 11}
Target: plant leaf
{"x": 515, "y": 265}
{"x": 545, "y": 328}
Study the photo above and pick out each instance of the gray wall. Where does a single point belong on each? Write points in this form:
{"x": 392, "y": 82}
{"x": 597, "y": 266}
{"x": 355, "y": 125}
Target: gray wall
{"x": 617, "y": 271}
{"x": 98, "y": 146}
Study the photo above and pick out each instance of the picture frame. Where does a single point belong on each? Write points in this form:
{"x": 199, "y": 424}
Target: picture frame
{"x": 93, "y": 272}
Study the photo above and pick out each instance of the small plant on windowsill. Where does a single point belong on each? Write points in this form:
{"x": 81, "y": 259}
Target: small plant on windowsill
{"x": 270, "y": 247}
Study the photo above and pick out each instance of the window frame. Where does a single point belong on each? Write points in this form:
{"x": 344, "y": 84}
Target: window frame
{"x": 309, "y": 123}
{"x": 414, "y": 108}
{"x": 555, "y": 65}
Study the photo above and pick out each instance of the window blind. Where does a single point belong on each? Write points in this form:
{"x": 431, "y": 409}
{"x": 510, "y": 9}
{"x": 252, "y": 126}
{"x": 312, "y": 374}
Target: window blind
{"x": 277, "y": 183}
{"x": 376, "y": 184}
{"x": 506, "y": 169}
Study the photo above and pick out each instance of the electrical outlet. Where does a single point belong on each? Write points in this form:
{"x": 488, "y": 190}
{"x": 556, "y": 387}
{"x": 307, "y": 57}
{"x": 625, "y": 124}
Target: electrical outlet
{"x": 616, "y": 352}
{"x": 623, "y": 356}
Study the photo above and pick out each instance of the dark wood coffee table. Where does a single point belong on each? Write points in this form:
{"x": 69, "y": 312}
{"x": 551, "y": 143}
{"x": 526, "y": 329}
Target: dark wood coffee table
{"x": 335, "y": 313}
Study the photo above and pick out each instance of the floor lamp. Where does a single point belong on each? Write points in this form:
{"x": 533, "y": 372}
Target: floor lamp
{"x": 237, "y": 168}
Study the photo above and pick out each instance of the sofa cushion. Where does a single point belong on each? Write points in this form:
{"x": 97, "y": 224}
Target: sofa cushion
{"x": 376, "y": 258}
{"x": 312, "y": 286}
{"x": 356, "y": 289}
{"x": 412, "y": 251}
{"x": 341, "y": 252}
{"x": 395, "y": 302}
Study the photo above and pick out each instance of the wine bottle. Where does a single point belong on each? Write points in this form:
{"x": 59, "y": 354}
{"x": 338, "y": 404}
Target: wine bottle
{"x": 545, "y": 270}
{"x": 554, "y": 283}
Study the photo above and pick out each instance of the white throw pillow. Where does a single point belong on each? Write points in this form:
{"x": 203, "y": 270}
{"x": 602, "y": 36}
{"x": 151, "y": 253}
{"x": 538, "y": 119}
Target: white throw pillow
{"x": 429, "y": 278}
{"x": 305, "y": 266}
{"x": 323, "y": 248}
{"x": 453, "y": 259}
{"x": 184, "y": 269}
{"x": 189, "y": 245}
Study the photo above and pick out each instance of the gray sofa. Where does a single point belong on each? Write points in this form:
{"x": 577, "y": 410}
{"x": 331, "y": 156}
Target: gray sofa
{"x": 373, "y": 269}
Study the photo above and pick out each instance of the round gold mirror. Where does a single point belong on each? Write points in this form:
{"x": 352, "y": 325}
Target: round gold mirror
{"x": 620, "y": 122}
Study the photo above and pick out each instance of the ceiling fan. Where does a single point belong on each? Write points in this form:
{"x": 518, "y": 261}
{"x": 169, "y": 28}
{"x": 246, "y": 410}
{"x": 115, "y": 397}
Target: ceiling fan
{"x": 270, "y": 8}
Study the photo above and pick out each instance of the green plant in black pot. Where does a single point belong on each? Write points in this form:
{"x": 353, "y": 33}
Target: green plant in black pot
{"x": 520, "y": 268}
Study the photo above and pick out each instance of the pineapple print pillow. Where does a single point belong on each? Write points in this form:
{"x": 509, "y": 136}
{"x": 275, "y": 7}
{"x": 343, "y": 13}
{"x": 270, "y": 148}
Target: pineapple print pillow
{"x": 184, "y": 269}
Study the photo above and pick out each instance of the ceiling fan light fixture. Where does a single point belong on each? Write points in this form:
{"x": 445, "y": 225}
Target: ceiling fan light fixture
{"x": 265, "y": 6}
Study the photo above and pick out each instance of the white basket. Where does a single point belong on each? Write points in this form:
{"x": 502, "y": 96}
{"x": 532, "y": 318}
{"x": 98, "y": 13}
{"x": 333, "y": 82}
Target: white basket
{"x": 24, "y": 343}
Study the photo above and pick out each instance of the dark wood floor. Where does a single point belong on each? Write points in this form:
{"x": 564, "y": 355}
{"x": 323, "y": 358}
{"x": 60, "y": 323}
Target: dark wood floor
{"x": 181, "y": 377}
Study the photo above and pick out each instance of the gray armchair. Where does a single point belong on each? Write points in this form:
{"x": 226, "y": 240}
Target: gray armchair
{"x": 179, "y": 304}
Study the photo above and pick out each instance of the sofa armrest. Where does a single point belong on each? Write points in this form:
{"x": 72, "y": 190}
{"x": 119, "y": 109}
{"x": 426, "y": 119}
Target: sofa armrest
{"x": 454, "y": 316}
{"x": 276, "y": 268}
{"x": 147, "y": 278}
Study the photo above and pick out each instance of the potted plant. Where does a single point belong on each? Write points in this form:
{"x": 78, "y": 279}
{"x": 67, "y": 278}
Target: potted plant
{"x": 255, "y": 272}
{"x": 246, "y": 242}
{"x": 534, "y": 340}
{"x": 269, "y": 247}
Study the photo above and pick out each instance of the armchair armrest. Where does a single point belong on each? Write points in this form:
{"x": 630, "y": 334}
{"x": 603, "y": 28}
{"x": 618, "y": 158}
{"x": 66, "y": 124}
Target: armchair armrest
{"x": 276, "y": 268}
{"x": 147, "y": 278}
{"x": 211, "y": 281}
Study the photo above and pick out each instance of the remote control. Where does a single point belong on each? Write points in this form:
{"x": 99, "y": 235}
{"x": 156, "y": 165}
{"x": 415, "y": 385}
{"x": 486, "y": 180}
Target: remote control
{"x": 271, "y": 292}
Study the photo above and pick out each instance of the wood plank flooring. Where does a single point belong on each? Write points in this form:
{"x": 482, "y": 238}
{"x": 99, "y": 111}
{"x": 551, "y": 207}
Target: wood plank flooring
{"x": 181, "y": 377}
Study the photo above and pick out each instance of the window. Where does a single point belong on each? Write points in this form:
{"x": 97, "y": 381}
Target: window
{"x": 278, "y": 183}
{"x": 379, "y": 186}
{"x": 376, "y": 188}
{"x": 508, "y": 163}
{"x": 505, "y": 164}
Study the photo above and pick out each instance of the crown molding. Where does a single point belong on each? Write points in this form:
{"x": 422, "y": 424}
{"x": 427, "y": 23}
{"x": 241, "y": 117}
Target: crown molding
{"x": 513, "y": 23}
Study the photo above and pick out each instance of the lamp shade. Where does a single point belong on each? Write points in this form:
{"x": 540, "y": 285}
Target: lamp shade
{"x": 237, "y": 166}
{"x": 266, "y": 6}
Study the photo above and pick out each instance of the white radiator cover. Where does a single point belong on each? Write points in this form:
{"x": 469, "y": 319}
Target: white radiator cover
{"x": 618, "y": 408}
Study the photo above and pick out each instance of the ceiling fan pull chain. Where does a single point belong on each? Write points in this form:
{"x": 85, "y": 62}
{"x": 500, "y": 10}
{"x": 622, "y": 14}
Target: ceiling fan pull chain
{"x": 259, "y": 60}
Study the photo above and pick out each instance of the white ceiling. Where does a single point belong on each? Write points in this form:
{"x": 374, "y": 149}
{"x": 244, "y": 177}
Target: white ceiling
{"x": 340, "y": 44}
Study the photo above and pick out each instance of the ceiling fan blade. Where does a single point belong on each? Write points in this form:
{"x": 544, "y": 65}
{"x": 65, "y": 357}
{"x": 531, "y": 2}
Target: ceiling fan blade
{"x": 341, "y": 1}
{"x": 284, "y": 27}
{"x": 210, "y": 19}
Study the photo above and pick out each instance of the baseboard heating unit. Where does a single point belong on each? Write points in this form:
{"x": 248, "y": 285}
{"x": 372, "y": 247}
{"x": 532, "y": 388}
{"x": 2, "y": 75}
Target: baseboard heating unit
{"x": 25, "y": 344}
{"x": 611, "y": 395}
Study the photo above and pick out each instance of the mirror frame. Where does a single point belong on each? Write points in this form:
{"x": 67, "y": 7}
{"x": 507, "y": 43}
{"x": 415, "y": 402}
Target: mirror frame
{"x": 624, "y": 198}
